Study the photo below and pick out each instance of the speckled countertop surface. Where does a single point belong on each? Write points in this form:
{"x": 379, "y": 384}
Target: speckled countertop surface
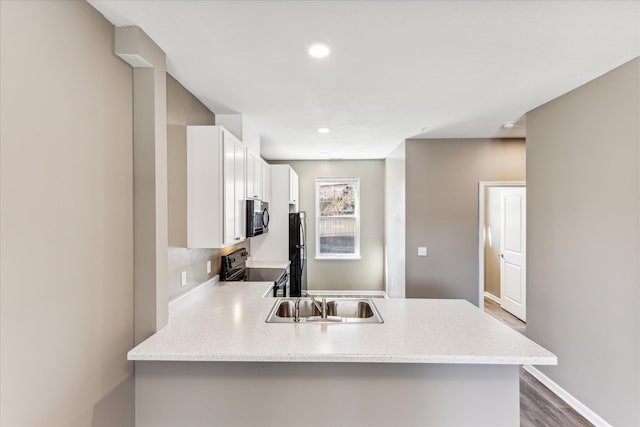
{"x": 226, "y": 322}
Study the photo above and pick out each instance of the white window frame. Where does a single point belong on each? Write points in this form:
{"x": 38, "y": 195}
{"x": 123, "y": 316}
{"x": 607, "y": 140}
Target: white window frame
{"x": 356, "y": 184}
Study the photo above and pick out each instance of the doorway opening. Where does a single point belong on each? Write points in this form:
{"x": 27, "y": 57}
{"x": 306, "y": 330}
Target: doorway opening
{"x": 501, "y": 251}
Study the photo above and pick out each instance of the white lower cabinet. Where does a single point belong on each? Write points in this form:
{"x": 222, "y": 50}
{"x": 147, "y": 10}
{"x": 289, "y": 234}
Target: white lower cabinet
{"x": 215, "y": 188}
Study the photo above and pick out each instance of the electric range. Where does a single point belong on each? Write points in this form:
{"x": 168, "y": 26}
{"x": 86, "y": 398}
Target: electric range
{"x": 234, "y": 269}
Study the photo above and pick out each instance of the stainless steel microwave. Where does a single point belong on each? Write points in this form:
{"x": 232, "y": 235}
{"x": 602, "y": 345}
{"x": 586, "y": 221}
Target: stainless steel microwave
{"x": 257, "y": 217}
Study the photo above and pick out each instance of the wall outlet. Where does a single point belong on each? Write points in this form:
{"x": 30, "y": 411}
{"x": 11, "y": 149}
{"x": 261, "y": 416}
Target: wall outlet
{"x": 422, "y": 251}
{"x": 209, "y": 267}
{"x": 183, "y": 279}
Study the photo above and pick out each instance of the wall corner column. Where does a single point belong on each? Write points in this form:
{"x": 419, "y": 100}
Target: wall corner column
{"x": 149, "y": 178}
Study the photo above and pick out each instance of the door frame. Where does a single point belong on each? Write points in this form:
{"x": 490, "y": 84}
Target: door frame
{"x": 482, "y": 185}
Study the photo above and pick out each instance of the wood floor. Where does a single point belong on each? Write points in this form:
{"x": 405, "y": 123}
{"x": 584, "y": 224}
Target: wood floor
{"x": 539, "y": 407}
{"x": 509, "y": 319}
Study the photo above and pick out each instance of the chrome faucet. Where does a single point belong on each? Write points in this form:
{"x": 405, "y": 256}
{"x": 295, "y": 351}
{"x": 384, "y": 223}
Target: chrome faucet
{"x": 322, "y": 308}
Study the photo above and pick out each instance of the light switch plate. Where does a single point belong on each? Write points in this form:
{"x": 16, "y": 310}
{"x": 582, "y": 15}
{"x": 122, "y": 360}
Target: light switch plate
{"x": 422, "y": 251}
{"x": 209, "y": 267}
{"x": 183, "y": 279}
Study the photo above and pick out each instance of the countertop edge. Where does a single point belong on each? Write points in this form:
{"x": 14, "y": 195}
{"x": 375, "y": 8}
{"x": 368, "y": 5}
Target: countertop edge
{"x": 355, "y": 359}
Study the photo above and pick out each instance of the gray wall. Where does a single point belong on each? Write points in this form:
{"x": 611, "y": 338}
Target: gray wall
{"x": 184, "y": 109}
{"x": 442, "y": 210}
{"x": 66, "y": 190}
{"x": 583, "y": 223}
{"x": 395, "y": 220}
{"x": 363, "y": 274}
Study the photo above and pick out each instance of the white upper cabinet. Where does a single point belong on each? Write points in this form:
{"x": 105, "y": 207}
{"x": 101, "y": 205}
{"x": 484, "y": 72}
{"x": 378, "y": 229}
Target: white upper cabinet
{"x": 293, "y": 189}
{"x": 254, "y": 176}
{"x": 239, "y": 211}
{"x": 215, "y": 188}
{"x": 283, "y": 188}
{"x": 257, "y": 178}
{"x": 266, "y": 182}
{"x": 251, "y": 160}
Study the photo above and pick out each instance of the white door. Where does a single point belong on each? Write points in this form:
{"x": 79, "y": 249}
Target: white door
{"x": 513, "y": 285}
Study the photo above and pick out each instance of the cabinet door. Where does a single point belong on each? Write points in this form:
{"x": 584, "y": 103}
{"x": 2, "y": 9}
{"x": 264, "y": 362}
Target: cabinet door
{"x": 257, "y": 178}
{"x": 251, "y": 160}
{"x": 266, "y": 182}
{"x": 239, "y": 196}
{"x": 293, "y": 188}
{"x": 290, "y": 186}
{"x": 229, "y": 179}
{"x": 205, "y": 187}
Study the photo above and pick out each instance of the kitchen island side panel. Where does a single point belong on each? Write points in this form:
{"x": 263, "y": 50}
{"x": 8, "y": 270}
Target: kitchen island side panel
{"x": 319, "y": 394}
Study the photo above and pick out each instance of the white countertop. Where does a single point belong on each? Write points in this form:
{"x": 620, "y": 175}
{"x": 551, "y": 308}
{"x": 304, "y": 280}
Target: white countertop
{"x": 226, "y": 322}
{"x": 267, "y": 264}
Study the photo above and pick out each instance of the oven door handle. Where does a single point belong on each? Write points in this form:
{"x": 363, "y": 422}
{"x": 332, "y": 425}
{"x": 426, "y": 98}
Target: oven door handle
{"x": 237, "y": 276}
{"x": 281, "y": 284}
{"x": 277, "y": 286}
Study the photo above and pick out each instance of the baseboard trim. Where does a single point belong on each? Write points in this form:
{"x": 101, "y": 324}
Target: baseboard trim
{"x": 492, "y": 297}
{"x": 579, "y": 407}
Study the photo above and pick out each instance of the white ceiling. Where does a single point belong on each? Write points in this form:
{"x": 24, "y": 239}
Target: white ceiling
{"x": 457, "y": 69}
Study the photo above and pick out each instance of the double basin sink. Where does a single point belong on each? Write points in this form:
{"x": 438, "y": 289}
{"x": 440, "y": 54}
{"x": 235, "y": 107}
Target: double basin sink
{"x": 337, "y": 310}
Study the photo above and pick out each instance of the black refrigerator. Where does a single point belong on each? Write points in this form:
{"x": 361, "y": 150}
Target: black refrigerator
{"x": 298, "y": 253}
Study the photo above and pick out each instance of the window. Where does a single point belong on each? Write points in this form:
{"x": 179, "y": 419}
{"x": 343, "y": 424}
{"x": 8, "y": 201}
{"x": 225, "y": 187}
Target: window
{"x": 338, "y": 218}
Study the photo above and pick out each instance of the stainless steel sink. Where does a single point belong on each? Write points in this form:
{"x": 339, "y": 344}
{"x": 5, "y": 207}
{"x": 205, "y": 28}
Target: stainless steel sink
{"x": 339, "y": 310}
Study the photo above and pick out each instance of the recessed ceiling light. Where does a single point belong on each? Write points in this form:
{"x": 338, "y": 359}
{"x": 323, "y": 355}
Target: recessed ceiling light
{"x": 508, "y": 125}
{"x": 319, "y": 50}
{"x": 324, "y": 130}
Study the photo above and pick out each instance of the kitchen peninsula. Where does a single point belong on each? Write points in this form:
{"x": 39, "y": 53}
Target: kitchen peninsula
{"x": 432, "y": 362}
